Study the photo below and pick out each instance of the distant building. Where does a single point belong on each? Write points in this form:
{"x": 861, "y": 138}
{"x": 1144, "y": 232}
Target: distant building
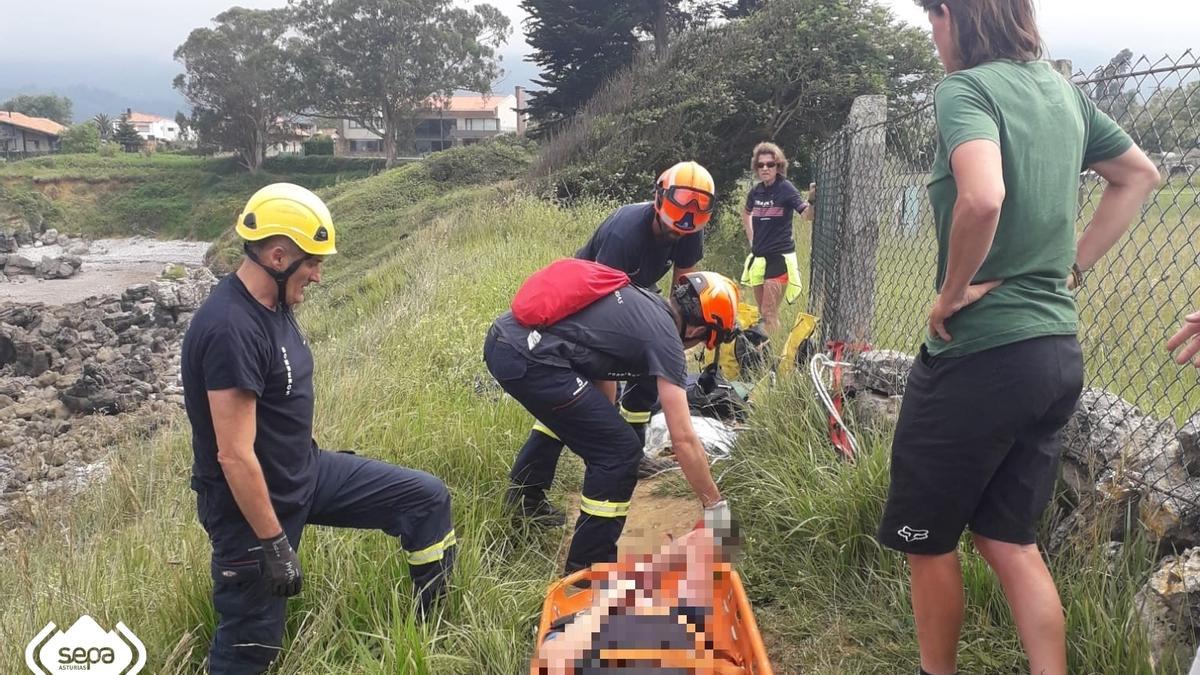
{"x": 152, "y": 127}
{"x": 28, "y": 135}
{"x": 462, "y": 120}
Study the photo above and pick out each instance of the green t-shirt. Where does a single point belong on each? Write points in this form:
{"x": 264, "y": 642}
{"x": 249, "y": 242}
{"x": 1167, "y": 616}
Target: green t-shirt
{"x": 1048, "y": 131}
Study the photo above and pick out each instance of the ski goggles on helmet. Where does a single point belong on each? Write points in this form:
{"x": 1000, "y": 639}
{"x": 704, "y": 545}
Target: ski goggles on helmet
{"x": 689, "y": 198}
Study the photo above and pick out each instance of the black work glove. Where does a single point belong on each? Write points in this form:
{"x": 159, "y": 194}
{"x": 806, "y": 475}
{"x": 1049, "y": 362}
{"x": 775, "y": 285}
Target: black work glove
{"x": 281, "y": 566}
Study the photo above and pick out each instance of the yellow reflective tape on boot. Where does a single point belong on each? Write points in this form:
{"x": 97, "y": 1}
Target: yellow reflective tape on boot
{"x": 603, "y": 509}
{"x": 543, "y": 429}
{"x": 432, "y": 553}
{"x": 635, "y": 417}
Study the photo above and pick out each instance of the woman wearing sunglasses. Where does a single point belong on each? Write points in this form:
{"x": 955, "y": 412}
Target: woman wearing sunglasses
{"x": 771, "y": 268}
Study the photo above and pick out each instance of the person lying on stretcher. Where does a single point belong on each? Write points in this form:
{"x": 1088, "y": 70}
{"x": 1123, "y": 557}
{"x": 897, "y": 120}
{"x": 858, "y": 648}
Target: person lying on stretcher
{"x": 659, "y": 606}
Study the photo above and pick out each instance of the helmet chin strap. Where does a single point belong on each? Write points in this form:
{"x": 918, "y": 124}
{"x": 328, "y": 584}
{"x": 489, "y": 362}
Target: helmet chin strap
{"x": 281, "y": 278}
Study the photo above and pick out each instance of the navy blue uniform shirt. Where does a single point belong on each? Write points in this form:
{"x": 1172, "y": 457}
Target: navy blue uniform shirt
{"x": 235, "y": 342}
{"x": 627, "y": 334}
{"x": 625, "y": 241}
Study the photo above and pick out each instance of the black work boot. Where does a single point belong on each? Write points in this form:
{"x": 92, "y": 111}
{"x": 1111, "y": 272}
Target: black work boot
{"x": 537, "y": 511}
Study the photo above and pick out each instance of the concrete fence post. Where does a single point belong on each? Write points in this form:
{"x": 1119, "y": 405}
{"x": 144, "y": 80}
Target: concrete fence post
{"x": 850, "y": 309}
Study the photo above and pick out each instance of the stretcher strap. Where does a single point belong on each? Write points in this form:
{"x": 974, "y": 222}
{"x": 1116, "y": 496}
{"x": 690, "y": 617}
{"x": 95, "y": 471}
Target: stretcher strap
{"x": 433, "y": 553}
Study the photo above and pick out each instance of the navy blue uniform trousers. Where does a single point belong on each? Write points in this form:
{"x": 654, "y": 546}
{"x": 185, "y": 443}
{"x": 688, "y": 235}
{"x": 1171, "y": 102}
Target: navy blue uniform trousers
{"x": 579, "y": 414}
{"x": 351, "y": 491}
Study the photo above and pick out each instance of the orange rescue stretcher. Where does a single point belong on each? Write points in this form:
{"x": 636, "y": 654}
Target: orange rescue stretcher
{"x": 736, "y": 646}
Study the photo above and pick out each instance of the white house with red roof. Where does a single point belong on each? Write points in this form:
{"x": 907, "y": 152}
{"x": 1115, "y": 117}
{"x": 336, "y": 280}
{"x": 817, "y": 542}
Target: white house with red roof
{"x": 152, "y": 127}
{"x": 28, "y": 135}
{"x": 461, "y": 120}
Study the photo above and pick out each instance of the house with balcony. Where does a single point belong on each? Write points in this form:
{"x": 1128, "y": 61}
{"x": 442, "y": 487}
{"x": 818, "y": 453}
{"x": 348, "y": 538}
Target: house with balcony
{"x": 22, "y": 135}
{"x": 460, "y": 120}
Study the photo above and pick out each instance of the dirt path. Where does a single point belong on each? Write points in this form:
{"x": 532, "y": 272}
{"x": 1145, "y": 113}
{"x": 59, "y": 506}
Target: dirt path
{"x": 651, "y": 518}
{"x": 112, "y": 266}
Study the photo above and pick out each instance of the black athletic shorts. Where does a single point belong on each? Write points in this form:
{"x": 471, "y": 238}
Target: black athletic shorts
{"x": 776, "y": 267}
{"x": 977, "y": 444}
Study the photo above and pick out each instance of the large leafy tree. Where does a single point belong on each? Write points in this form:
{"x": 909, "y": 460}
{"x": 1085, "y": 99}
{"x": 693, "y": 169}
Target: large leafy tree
{"x": 81, "y": 138}
{"x": 788, "y": 73}
{"x": 578, "y": 44}
{"x": 57, "y": 108}
{"x": 239, "y": 80}
{"x": 381, "y": 63}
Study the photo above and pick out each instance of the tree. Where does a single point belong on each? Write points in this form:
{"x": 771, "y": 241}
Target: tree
{"x": 578, "y": 44}
{"x": 126, "y": 135}
{"x": 380, "y": 62}
{"x": 183, "y": 123}
{"x": 807, "y": 60}
{"x": 57, "y": 108}
{"x": 1109, "y": 92}
{"x": 740, "y": 8}
{"x": 104, "y": 125}
{"x": 81, "y": 138}
{"x": 1168, "y": 121}
{"x": 240, "y": 82}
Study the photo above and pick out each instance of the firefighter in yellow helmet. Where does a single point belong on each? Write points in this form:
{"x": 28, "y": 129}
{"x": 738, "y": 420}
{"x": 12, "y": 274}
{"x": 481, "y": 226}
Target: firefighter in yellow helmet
{"x": 258, "y": 473}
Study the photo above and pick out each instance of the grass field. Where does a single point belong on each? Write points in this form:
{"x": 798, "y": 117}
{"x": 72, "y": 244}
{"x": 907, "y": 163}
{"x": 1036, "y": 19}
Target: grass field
{"x": 165, "y": 196}
{"x": 1131, "y": 302}
{"x": 397, "y": 327}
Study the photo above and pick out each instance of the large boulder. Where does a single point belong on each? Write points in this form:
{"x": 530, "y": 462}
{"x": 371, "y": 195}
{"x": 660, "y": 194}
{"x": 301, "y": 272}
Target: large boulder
{"x": 1106, "y": 434}
{"x": 99, "y": 390}
{"x": 1169, "y": 609}
{"x": 19, "y": 264}
{"x": 183, "y": 295}
{"x": 21, "y": 315}
{"x": 32, "y": 356}
{"x": 59, "y": 267}
{"x": 884, "y": 371}
{"x": 8, "y": 349}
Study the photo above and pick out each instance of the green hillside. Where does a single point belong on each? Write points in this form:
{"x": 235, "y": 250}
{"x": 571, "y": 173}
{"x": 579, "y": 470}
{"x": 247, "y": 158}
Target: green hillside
{"x": 430, "y": 255}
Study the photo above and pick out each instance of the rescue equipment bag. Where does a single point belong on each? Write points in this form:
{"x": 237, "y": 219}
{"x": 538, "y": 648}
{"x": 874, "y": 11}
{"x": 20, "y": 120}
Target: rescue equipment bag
{"x": 563, "y": 288}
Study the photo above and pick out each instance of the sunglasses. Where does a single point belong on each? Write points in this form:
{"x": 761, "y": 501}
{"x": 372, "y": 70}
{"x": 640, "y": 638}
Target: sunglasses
{"x": 765, "y": 165}
{"x": 690, "y": 198}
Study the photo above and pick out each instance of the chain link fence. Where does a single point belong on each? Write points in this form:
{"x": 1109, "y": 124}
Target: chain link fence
{"x": 874, "y": 256}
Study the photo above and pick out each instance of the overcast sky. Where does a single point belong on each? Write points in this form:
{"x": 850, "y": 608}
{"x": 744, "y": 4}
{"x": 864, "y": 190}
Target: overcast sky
{"x": 109, "y": 44}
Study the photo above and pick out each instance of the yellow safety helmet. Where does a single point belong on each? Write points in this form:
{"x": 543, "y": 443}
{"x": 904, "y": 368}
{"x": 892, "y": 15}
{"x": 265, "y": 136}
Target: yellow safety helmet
{"x": 292, "y": 211}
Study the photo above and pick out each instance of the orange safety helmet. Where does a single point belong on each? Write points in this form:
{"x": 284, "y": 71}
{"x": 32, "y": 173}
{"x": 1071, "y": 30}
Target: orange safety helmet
{"x": 708, "y": 299}
{"x": 684, "y": 197}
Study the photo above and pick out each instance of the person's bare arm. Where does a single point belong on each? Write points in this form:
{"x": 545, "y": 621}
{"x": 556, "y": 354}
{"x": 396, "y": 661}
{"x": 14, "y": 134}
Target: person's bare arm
{"x": 748, "y": 225}
{"x": 1131, "y": 178}
{"x": 979, "y": 176}
{"x": 685, "y": 443}
{"x": 234, "y": 416}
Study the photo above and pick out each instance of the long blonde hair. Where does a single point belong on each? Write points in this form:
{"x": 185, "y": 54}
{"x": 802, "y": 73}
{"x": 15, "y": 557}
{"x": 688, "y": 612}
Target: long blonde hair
{"x": 766, "y": 147}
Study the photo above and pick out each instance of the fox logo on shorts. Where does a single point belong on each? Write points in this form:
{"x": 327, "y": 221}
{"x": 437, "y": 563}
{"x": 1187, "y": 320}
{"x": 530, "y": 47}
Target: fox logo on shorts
{"x": 910, "y": 535}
